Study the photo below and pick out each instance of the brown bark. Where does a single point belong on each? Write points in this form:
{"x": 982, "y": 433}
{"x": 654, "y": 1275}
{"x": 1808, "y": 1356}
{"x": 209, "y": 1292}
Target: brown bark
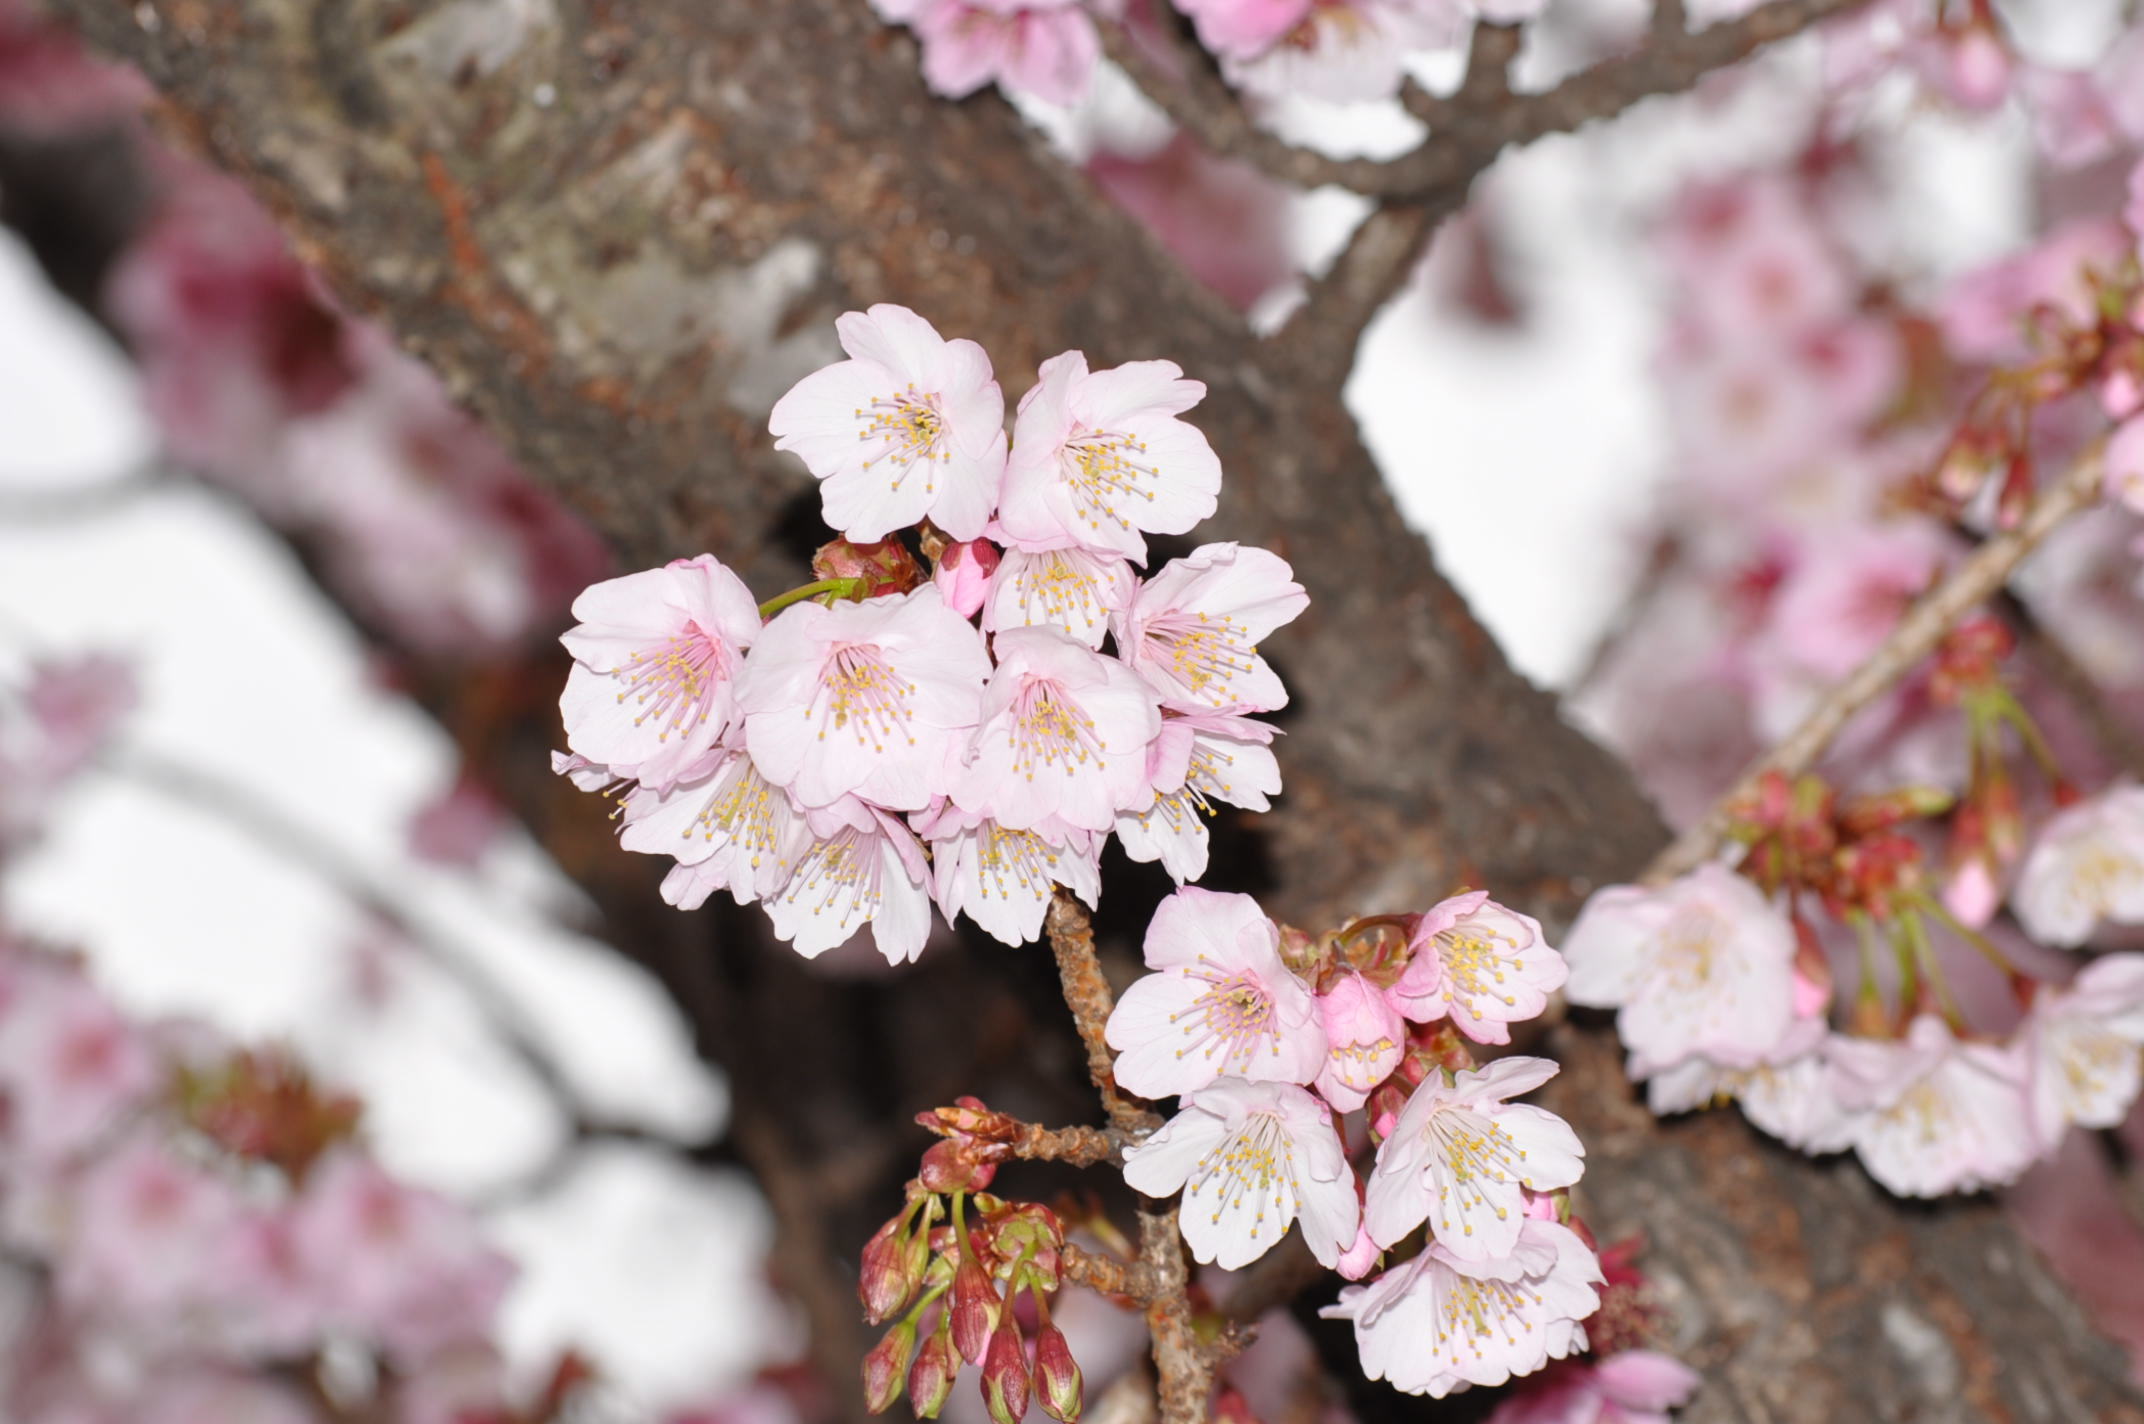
{"x": 626, "y": 238}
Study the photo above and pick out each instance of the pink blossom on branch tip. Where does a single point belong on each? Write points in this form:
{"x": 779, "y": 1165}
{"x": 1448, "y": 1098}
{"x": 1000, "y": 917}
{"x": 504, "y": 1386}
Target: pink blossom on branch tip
{"x": 1365, "y": 1038}
{"x": 1193, "y": 629}
{"x": 1480, "y": 964}
{"x": 1198, "y": 761}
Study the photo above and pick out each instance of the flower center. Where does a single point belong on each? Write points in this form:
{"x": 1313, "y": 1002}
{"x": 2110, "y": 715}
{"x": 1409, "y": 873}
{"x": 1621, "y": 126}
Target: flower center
{"x": 1233, "y": 1018}
{"x": 841, "y": 871}
{"x": 1010, "y": 859}
{"x": 1254, "y": 1166}
{"x": 861, "y": 692}
{"x": 1475, "y": 1312}
{"x": 1049, "y": 729}
{"x": 1204, "y": 653}
{"x": 1474, "y": 960}
{"x": 674, "y": 683}
{"x": 1064, "y": 588}
{"x": 2102, "y": 875}
{"x": 746, "y": 810}
{"x": 1477, "y": 1154}
{"x": 910, "y": 431}
{"x": 1101, "y": 471}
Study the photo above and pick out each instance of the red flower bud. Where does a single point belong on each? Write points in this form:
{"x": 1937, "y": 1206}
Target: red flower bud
{"x": 1057, "y": 1374}
{"x": 976, "y": 1308}
{"x": 931, "y": 1378}
{"x": 1006, "y": 1383}
{"x": 890, "y": 1270}
{"x": 887, "y": 1366}
{"x": 955, "y": 1165}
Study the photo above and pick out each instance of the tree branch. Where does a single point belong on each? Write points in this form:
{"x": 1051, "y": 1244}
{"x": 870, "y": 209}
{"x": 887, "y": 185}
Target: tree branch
{"x": 1972, "y": 582}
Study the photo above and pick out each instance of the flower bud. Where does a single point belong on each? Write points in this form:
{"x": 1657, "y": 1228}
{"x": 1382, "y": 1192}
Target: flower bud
{"x": 931, "y": 1378}
{"x": 963, "y": 575}
{"x": 890, "y": 1269}
{"x": 1057, "y": 1374}
{"x": 976, "y": 1308}
{"x": 880, "y": 568}
{"x": 887, "y": 1366}
{"x": 1005, "y": 1379}
{"x": 954, "y": 1165}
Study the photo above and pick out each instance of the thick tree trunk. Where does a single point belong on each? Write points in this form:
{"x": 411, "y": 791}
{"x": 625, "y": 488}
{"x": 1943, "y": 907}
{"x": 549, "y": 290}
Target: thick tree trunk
{"x": 621, "y": 230}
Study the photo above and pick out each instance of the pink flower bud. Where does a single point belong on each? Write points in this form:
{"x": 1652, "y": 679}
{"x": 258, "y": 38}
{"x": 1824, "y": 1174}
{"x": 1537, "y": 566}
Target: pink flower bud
{"x": 890, "y": 1269}
{"x": 1979, "y": 71}
{"x": 1058, "y": 1375}
{"x": 1006, "y": 1383}
{"x": 1364, "y": 1036}
{"x": 931, "y": 1378}
{"x": 963, "y": 575}
{"x": 1359, "y": 1259}
{"x": 886, "y": 1367}
{"x": 976, "y": 1308}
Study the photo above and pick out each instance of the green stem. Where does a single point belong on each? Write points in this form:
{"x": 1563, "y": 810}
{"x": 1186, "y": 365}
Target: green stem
{"x": 1925, "y": 952}
{"x": 1865, "y": 936}
{"x": 1973, "y": 937}
{"x": 839, "y": 587}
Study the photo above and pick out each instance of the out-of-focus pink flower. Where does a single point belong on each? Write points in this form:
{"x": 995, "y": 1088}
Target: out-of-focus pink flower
{"x": 1364, "y": 1038}
{"x": 144, "y": 1225}
{"x": 395, "y": 1263}
{"x": 1789, "y": 1095}
{"x": 50, "y": 82}
{"x": 876, "y": 699}
{"x": 1047, "y": 48}
{"x": 77, "y": 703}
{"x": 72, "y": 1066}
{"x": 1438, "y": 1324}
{"x": 2085, "y": 869}
{"x": 1250, "y": 1158}
{"x": 1220, "y": 1002}
{"x": 655, "y": 660}
{"x": 1099, "y": 458}
{"x": 2084, "y": 1048}
{"x": 1848, "y": 592}
{"x": 1703, "y": 965}
{"x": 1463, "y": 1156}
{"x": 457, "y": 827}
{"x": 1243, "y": 28}
{"x": 1482, "y": 964}
{"x": 1225, "y": 221}
{"x": 963, "y": 575}
{"x": 1984, "y": 314}
{"x": 1969, "y": 65}
{"x": 2071, "y": 119}
{"x": 910, "y": 427}
{"x": 1933, "y": 1115}
{"x": 1628, "y": 1387}
{"x": 1346, "y": 51}
{"x": 1064, "y": 733}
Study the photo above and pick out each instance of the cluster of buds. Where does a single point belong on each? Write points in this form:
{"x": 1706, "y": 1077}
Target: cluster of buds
{"x": 263, "y": 1105}
{"x": 953, "y": 1266}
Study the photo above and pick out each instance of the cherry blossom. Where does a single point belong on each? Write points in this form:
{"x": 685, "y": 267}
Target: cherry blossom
{"x": 1483, "y": 965}
{"x": 725, "y": 824}
{"x": 875, "y": 699}
{"x": 655, "y": 659}
{"x": 1099, "y": 458}
{"x": 1240, "y": 29}
{"x": 1199, "y": 759}
{"x": 964, "y": 574}
{"x": 1074, "y": 589}
{"x": 1220, "y": 1002}
{"x": 1933, "y": 1115}
{"x": 1364, "y": 1038}
{"x": 862, "y": 867}
{"x": 910, "y": 427}
{"x": 1704, "y": 965}
{"x": 1439, "y": 1324}
{"x": 1047, "y": 48}
{"x": 1790, "y": 1094}
{"x": 1064, "y": 733}
{"x": 2084, "y": 1048}
{"x": 1250, "y": 1158}
{"x": 1346, "y": 50}
{"x": 71, "y": 1065}
{"x": 1462, "y": 1156}
{"x": 1003, "y": 879}
{"x": 2085, "y": 869}
{"x": 144, "y": 1222}
{"x": 1193, "y": 628}
{"x": 1628, "y": 1387}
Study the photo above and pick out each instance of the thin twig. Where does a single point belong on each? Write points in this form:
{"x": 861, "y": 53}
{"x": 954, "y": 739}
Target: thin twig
{"x": 1971, "y": 583}
{"x": 1079, "y": 1146}
{"x": 1088, "y": 995}
{"x": 1107, "y": 1274}
{"x": 1198, "y": 100}
{"x": 1183, "y": 1364}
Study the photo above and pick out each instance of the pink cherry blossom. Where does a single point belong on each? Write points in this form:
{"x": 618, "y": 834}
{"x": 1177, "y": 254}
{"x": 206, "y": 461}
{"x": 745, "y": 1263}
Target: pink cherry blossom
{"x": 1074, "y": 589}
{"x": 1704, "y": 965}
{"x": 1361, "y": 1258}
{"x": 655, "y": 659}
{"x": 395, "y": 1263}
{"x": 72, "y": 1066}
{"x": 1462, "y": 1157}
{"x": 862, "y": 867}
{"x": 1790, "y": 1095}
{"x": 1847, "y": 593}
{"x": 1240, "y": 29}
{"x": 1482, "y": 964}
{"x": 2084, "y": 1048}
{"x": 911, "y": 427}
{"x": 1047, "y": 48}
{"x": 1099, "y": 459}
{"x": 2085, "y": 869}
{"x": 77, "y": 705}
{"x": 1628, "y": 1387}
{"x": 144, "y": 1221}
{"x": 1984, "y": 314}
{"x": 1199, "y": 759}
{"x": 51, "y": 83}
{"x": 1064, "y": 734}
{"x": 1933, "y": 1115}
{"x": 1003, "y": 879}
{"x": 1364, "y": 1037}
{"x": 875, "y": 699}
{"x": 2071, "y": 119}
{"x": 727, "y": 826}
{"x": 1193, "y": 628}
{"x": 1250, "y": 1159}
{"x": 1347, "y": 51}
{"x": 963, "y": 575}
{"x": 456, "y": 827}
{"x": 1438, "y": 1324}
{"x": 1224, "y": 220}
{"x": 1220, "y": 1002}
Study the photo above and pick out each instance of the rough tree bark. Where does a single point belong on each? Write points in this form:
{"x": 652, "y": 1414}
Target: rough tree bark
{"x": 620, "y": 230}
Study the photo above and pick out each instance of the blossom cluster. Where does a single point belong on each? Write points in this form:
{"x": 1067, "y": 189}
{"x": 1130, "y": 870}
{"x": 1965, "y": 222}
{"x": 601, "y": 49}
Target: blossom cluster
{"x": 856, "y": 750}
{"x": 1269, "y": 1040}
{"x": 205, "y": 1224}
